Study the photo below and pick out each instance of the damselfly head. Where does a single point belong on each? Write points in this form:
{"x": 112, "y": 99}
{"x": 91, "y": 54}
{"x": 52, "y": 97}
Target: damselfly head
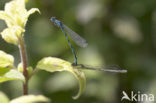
{"x": 53, "y": 19}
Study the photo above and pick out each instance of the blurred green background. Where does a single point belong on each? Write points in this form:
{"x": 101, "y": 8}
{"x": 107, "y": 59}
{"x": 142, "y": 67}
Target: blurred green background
{"x": 119, "y": 32}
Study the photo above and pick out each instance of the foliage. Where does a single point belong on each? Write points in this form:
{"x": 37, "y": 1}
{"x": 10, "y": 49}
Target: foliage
{"x": 24, "y": 99}
{"x": 55, "y": 64}
{"x": 119, "y": 32}
{"x": 16, "y": 16}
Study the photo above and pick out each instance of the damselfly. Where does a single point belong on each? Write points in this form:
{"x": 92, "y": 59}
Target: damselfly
{"x": 107, "y": 69}
{"x": 74, "y": 36}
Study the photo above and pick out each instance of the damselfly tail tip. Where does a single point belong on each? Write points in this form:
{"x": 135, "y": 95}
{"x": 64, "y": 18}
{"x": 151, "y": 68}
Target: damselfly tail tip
{"x": 124, "y": 71}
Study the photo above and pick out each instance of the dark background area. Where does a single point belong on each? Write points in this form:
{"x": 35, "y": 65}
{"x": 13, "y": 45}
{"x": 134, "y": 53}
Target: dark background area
{"x": 119, "y": 32}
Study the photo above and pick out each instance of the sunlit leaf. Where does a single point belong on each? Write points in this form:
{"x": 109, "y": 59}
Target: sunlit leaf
{"x": 16, "y": 9}
{"x": 12, "y": 34}
{"x": 15, "y": 15}
{"x": 31, "y": 11}
{"x": 3, "y": 98}
{"x": 7, "y": 18}
{"x": 9, "y": 36}
{"x": 6, "y": 75}
{"x": 26, "y": 1}
{"x": 52, "y": 64}
{"x": 6, "y": 60}
{"x": 30, "y": 99}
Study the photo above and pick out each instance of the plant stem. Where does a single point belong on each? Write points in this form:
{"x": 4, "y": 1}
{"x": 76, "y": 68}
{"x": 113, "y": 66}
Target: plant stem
{"x": 35, "y": 71}
{"x": 22, "y": 50}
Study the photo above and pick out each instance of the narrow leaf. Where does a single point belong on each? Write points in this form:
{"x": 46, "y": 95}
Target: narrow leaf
{"x": 31, "y": 11}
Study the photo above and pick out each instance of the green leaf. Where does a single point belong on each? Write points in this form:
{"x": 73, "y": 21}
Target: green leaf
{"x": 30, "y": 99}
{"x": 6, "y": 60}
{"x": 3, "y": 71}
{"x": 52, "y": 64}
{"x": 6, "y": 75}
{"x": 8, "y": 19}
{"x": 3, "y": 98}
{"x": 26, "y": 1}
{"x": 12, "y": 34}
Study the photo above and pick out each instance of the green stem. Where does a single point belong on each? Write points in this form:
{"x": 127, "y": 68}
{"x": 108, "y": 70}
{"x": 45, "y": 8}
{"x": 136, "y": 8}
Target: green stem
{"x": 35, "y": 71}
{"x": 24, "y": 63}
